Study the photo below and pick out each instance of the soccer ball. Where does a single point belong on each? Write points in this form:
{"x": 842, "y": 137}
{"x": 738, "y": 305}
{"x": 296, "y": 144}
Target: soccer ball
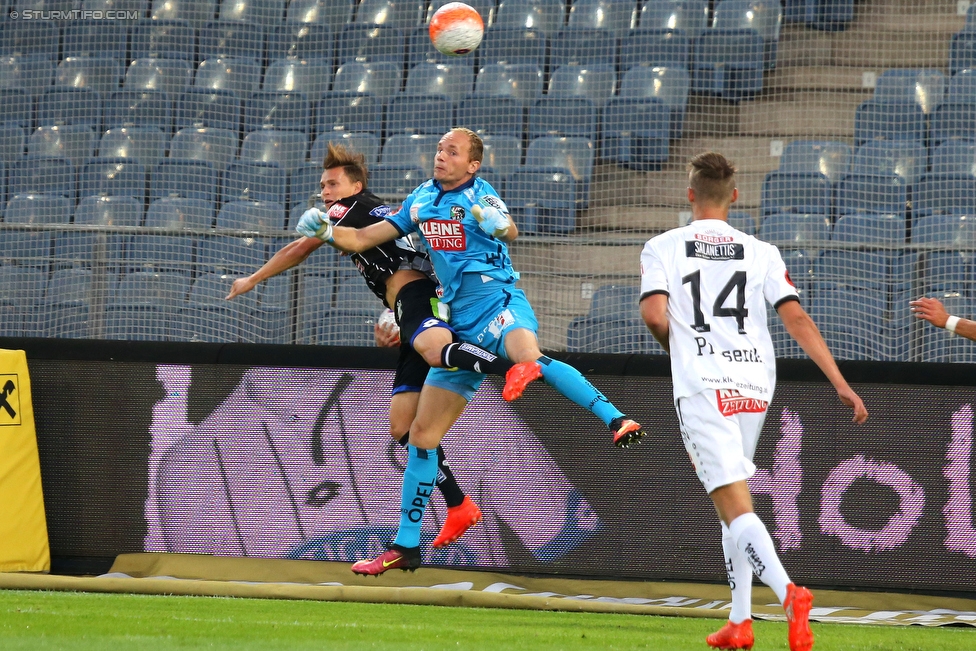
{"x": 456, "y": 29}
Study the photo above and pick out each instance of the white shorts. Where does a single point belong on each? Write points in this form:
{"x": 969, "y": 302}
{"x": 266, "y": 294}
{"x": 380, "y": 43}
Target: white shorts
{"x": 720, "y": 430}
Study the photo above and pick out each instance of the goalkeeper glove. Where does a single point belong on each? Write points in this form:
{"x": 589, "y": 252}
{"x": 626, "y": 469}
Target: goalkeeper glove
{"x": 491, "y": 220}
{"x": 315, "y": 223}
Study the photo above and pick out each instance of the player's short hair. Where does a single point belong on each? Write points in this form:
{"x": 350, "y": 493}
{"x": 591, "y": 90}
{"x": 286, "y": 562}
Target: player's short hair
{"x": 477, "y": 145}
{"x": 712, "y": 177}
{"x": 352, "y": 163}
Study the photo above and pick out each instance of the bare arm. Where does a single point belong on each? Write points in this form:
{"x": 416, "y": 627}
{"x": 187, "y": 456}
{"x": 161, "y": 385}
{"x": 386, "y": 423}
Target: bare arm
{"x": 356, "y": 240}
{"x": 933, "y": 311}
{"x": 654, "y": 311}
{"x": 512, "y": 231}
{"x": 292, "y": 254}
{"x": 802, "y": 328}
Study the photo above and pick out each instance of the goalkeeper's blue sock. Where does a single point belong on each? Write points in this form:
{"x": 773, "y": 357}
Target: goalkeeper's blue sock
{"x": 419, "y": 479}
{"x": 568, "y": 381}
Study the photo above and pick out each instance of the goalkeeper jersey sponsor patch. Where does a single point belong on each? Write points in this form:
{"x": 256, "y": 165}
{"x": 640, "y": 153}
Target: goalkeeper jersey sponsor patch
{"x": 444, "y": 235}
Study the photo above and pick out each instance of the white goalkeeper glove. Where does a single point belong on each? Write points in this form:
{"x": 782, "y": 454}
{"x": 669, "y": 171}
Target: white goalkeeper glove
{"x": 491, "y": 220}
{"x": 315, "y": 223}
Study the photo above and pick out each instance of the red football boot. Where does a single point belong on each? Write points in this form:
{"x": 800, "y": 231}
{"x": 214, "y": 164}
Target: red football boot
{"x": 798, "y": 603}
{"x": 519, "y": 377}
{"x": 460, "y": 518}
{"x": 732, "y": 636}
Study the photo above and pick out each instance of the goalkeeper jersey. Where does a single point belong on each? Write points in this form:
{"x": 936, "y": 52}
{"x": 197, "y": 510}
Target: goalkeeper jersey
{"x": 718, "y": 281}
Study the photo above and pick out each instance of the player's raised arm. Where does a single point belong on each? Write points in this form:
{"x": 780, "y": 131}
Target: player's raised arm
{"x": 292, "y": 254}
{"x": 315, "y": 223}
{"x": 933, "y": 311}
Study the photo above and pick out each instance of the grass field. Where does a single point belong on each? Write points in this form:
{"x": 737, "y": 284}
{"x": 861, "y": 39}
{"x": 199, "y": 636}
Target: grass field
{"x": 72, "y": 620}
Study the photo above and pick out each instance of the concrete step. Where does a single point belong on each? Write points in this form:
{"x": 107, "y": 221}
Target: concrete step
{"x": 664, "y": 189}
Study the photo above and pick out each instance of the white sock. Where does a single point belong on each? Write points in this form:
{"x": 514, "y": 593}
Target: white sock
{"x": 740, "y": 579}
{"x": 752, "y": 539}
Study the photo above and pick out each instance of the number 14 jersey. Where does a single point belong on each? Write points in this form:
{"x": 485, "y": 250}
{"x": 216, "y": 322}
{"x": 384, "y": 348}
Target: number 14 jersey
{"x": 717, "y": 280}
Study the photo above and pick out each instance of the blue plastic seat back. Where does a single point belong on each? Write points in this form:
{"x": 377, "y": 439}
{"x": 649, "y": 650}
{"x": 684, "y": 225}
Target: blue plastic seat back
{"x": 119, "y": 177}
{"x": 905, "y": 158}
{"x": 796, "y": 192}
{"x": 563, "y": 116}
{"x": 139, "y": 108}
{"x": 596, "y": 83}
{"x": 514, "y": 46}
{"x": 945, "y": 194}
{"x": 402, "y": 14}
{"x": 955, "y": 157}
{"x": 411, "y": 149}
{"x": 189, "y": 179}
{"x": 522, "y": 82}
{"x": 583, "y": 46}
{"x": 101, "y": 74}
{"x": 689, "y": 16}
{"x": 240, "y": 76}
{"x": 654, "y": 48}
{"x": 370, "y": 44}
{"x": 895, "y": 120}
{"x": 253, "y": 181}
{"x": 430, "y": 114}
{"x": 96, "y": 38}
{"x": 617, "y": 16}
{"x": 333, "y": 13}
{"x": 145, "y": 145}
{"x": 377, "y": 78}
{"x": 454, "y": 82}
{"x": 312, "y": 77}
{"x": 876, "y": 193}
{"x": 488, "y": 114}
{"x": 66, "y": 105}
{"x": 548, "y": 16}
{"x": 301, "y": 41}
{"x": 503, "y": 154}
{"x": 231, "y": 39}
{"x": 830, "y": 158}
{"x": 349, "y": 112}
{"x": 164, "y": 38}
{"x": 925, "y": 87}
{"x": 211, "y": 145}
{"x": 169, "y": 76}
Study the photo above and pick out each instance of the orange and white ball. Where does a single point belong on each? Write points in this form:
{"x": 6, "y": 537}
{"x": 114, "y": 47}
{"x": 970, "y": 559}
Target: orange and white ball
{"x": 456, "y": 29}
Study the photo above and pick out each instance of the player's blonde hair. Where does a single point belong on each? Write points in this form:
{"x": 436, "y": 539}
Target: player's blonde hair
{"x": 352, "y": 163}
{"x": 477, "y": 145}
{"x": 712, "y": 177}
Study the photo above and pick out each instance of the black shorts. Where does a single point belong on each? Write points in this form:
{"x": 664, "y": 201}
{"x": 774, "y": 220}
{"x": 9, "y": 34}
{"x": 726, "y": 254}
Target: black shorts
{"x": 413, "y": 308}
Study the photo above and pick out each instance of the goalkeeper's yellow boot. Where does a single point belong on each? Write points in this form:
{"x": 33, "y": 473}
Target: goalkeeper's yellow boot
{"x": 732, "y": 636}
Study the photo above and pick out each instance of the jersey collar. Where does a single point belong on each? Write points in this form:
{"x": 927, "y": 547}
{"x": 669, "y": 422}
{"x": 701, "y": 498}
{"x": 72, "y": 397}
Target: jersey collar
{"x": 441, "y": 192}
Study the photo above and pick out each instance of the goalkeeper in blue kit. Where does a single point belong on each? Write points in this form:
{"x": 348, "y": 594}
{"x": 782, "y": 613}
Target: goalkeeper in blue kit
{"x": 466, "y": 228}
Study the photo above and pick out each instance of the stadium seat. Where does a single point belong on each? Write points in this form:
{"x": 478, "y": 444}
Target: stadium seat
{"x": 65, "y": 105}
{"x": 303, "y": 183}
{"x": 522, "y": 82}
{"x": 762, "y": 16}
{"x": 564, "y": 116}
{"x": 187, "y": 179}
{"x": 728, "y": 63}
{"x": 240, "y": 76}
{"x": 796, "y": 192}
{"x": 948, "y": 194}
{"x": 394, "y": 182}
{"x": 962, "y": 51}
{"x": 617, "y": 16}
{"x": 258, "y": 12}
{"x": 76, "y": 143}
{"x": 33, "y": 74}
{"x": 139, "y": 108}
{"x": 172, "y": 251}
{"x": 574, "y": 155}
{"x": 906, "y": 158}
{"x": 542, "y": 200}
{"x": 365, "y": 43}
{"x": 956, "y": 116}
{"x": 13, "y": 140}
{"x": 117, "y": 177}
{"x": 547, "y": 16}
{"x": 596, "y": 83}
{"x": 924, "y": 87}
{"x": 103, "y": 249}
{"x": 340, "y": 112}
{"x": 884, "y": 194}
{"x": 830, "y": 158}
{"x": 430, "y": 114}
{"x": 66, "y": 305}
{"x": 204, "y": 107}
{"x": 869, "y": 229}
{"x": 54, "y": 176}
{"x": 503, "y": 154}
{"x": 251, "y": 215}
{"x": 32, "y": 248}
{"x": 955, "y": 157}
{"x": 333, "y": 13}
{"x": 301, "y": 41}
{"x": 487, "y": 114}
{"x": 21, "y": 290}
{"x": 654, "y": 48}
{"x": 96, "y": 38}
{"x": 743, "y": 221}
{"x": 195, "y": 12}
{"x": 271, "y": 323}
{"x": 39, "y": 38}
{"x": 586, "y": 47}
{"x": 620, "y": 336}
{"x": 207, "y": 316}
{"x": 636, "y": 132}
{"x": 315, "y": 296}
{"x": 15, "y": 107}
{"x": 287, "y": 149}
{"x": 367, "y": 144}
{"x": 810, "y": 232}
{"x": 828, "y": 15}
{"x": 215, "y": 146}
{"x": 950, "y": 230}
{"x": 240, "y": 254}
{"x": 229, "y": 39}
{"x": 100, "y": 74}
{"x": 401, "y": 14}
{"x": 162, "y": 39}
{"x": 277, "y": 110}
{"x": 411, "y": 149}
{"x": 144, "y": 145}
{"x": 380, "y": 79}
{"x": 902, "y": 120}
{"x": 514, "y": 46}
{"x": 171, "y": 76}
{"x": 848, "y": 319}
{"x": 454, "y": 82}
{"x": 670, "y": 85}
{"x": 688, "y": 16}
{"x": 145, "y": 306}
{"x": 311, "y": 77}
{"x": 253, "y": 181}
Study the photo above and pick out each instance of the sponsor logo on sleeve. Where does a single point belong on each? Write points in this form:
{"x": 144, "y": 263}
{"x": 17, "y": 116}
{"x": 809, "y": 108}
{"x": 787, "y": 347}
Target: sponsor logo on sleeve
{"x": 337, "y": 211}
{"x": 494, "y": 202}
{"x": 457, "y": 212}
{"x": 381, "y": 211}
{"x": 731, "y": 402}
{"x": 444, "y": 234}
{"x": 415, "y": 214}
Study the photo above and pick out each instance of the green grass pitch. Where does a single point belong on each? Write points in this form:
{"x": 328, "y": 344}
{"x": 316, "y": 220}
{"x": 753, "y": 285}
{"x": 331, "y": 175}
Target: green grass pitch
{"x": 69, "y": 620}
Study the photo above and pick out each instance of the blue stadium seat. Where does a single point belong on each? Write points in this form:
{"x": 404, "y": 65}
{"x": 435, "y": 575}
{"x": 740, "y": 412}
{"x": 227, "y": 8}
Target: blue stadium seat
{"x": 956, "y": 116}
{"x": 33, "y": 74}
{"x": 542, "y": 199}
{"x": 20, "y": 291}
{"x": 32, "y": 248}
{"x": 96, "y": 38}
{"x": 902, "y": 120}
{"x": 367, "y": 144}
{"x": 74, "y": 142}
{"x": 617, "y": 16}
{"x": 55, "y": 176}
{"x": 401, "y": 14}
{"x": 312, "y": 77}
{"x": 303, "y": 183}
{"x": 762, "y": 16}
{"x": 172, "y": 251}
{"x": 670, "y": 85}
{"x": 906, "y": 158}
{"x": 271, "y": 323}
{"x": 287, "y": 149}
{"x": 728, "y": 63}
{"x": 215, "y": 146}
{"x": 240, "y": 76}
{"x": 171, "y": 76}
{"x": 688, "y": 16}
{"x": 145, "y": 306}
{"x": 205, "y": 107}
{"x": 394, "y": 182}
{"x": 277, "y": 110}
{"x": 884, "y": 194}
{"x": 348, "y": 327}
{"x": 15, "y": 107}
{"x": 117, "y": 177}
{"x": 827, "y": 157}
{"x": 301, "y": 41}
{"x": 522, "y": 82}
{"x": 743, "y": 221}
{"x": 586, "y": 47}
{"x": 521, "y": 46}
{"x": 98, "y": 249}
{"x": 619, "y": 336}
{"x": 455, "y": 82}
{"x": 250, "y": 215}
{"x": 187, "y": 179}
{"x": 333, "y": 13}
{"x": 636, "y": 132}
{"x": 492, "y": 114}
{"x": 380, "y": 79}
{"x": 194, "y": 12}
{"x": 922, "y": 86}
{"x": 828, "y": 15}
{"x": 66, "y": 306}
{"x": 258, "y": 12}
{"x": 962, "y": 51}
{"x": 240, "y": 254}
{"x": 962, "y": 87}
{"x": 548, "y": 16}
{"x": 955, "y": 157}
{"x": 220, "y": 39}
{"x": 796, "y": 192}
{"x": 40, "y": 38}
{"x": 100, "y": 74}
{"x": 611, "y": 301}
{"x": 574, "y": 155}
{"x": 315, "y": 296}
{"x": 848, "y": 319}
{"x": 75, "y": 106}
{"x": 144, "y": 145}
{"x": 654, "y": 48}
{"x": 207, "y": 316}
{"x": 13, "y": 139}
{"x": 870, "y": 229}
{"x": 503, "y": 155}
{"x": 432, "y": 114}
{"x": 562, "y": 116}
{"x": 166, "y": 39}
{"x": 597, "y": 83}
{"x": 411, "y": 149}
{"x": 253, "y": 181}
{"x": 793, "y": 230}
{"x": 950, "y": 230}
{"x": 349, "y": 113}
{"x": 139, "y": 108}
{"x": 946, "y": 270}
{"x": 947, "y": 194}
{"x": 370, "y": 44}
